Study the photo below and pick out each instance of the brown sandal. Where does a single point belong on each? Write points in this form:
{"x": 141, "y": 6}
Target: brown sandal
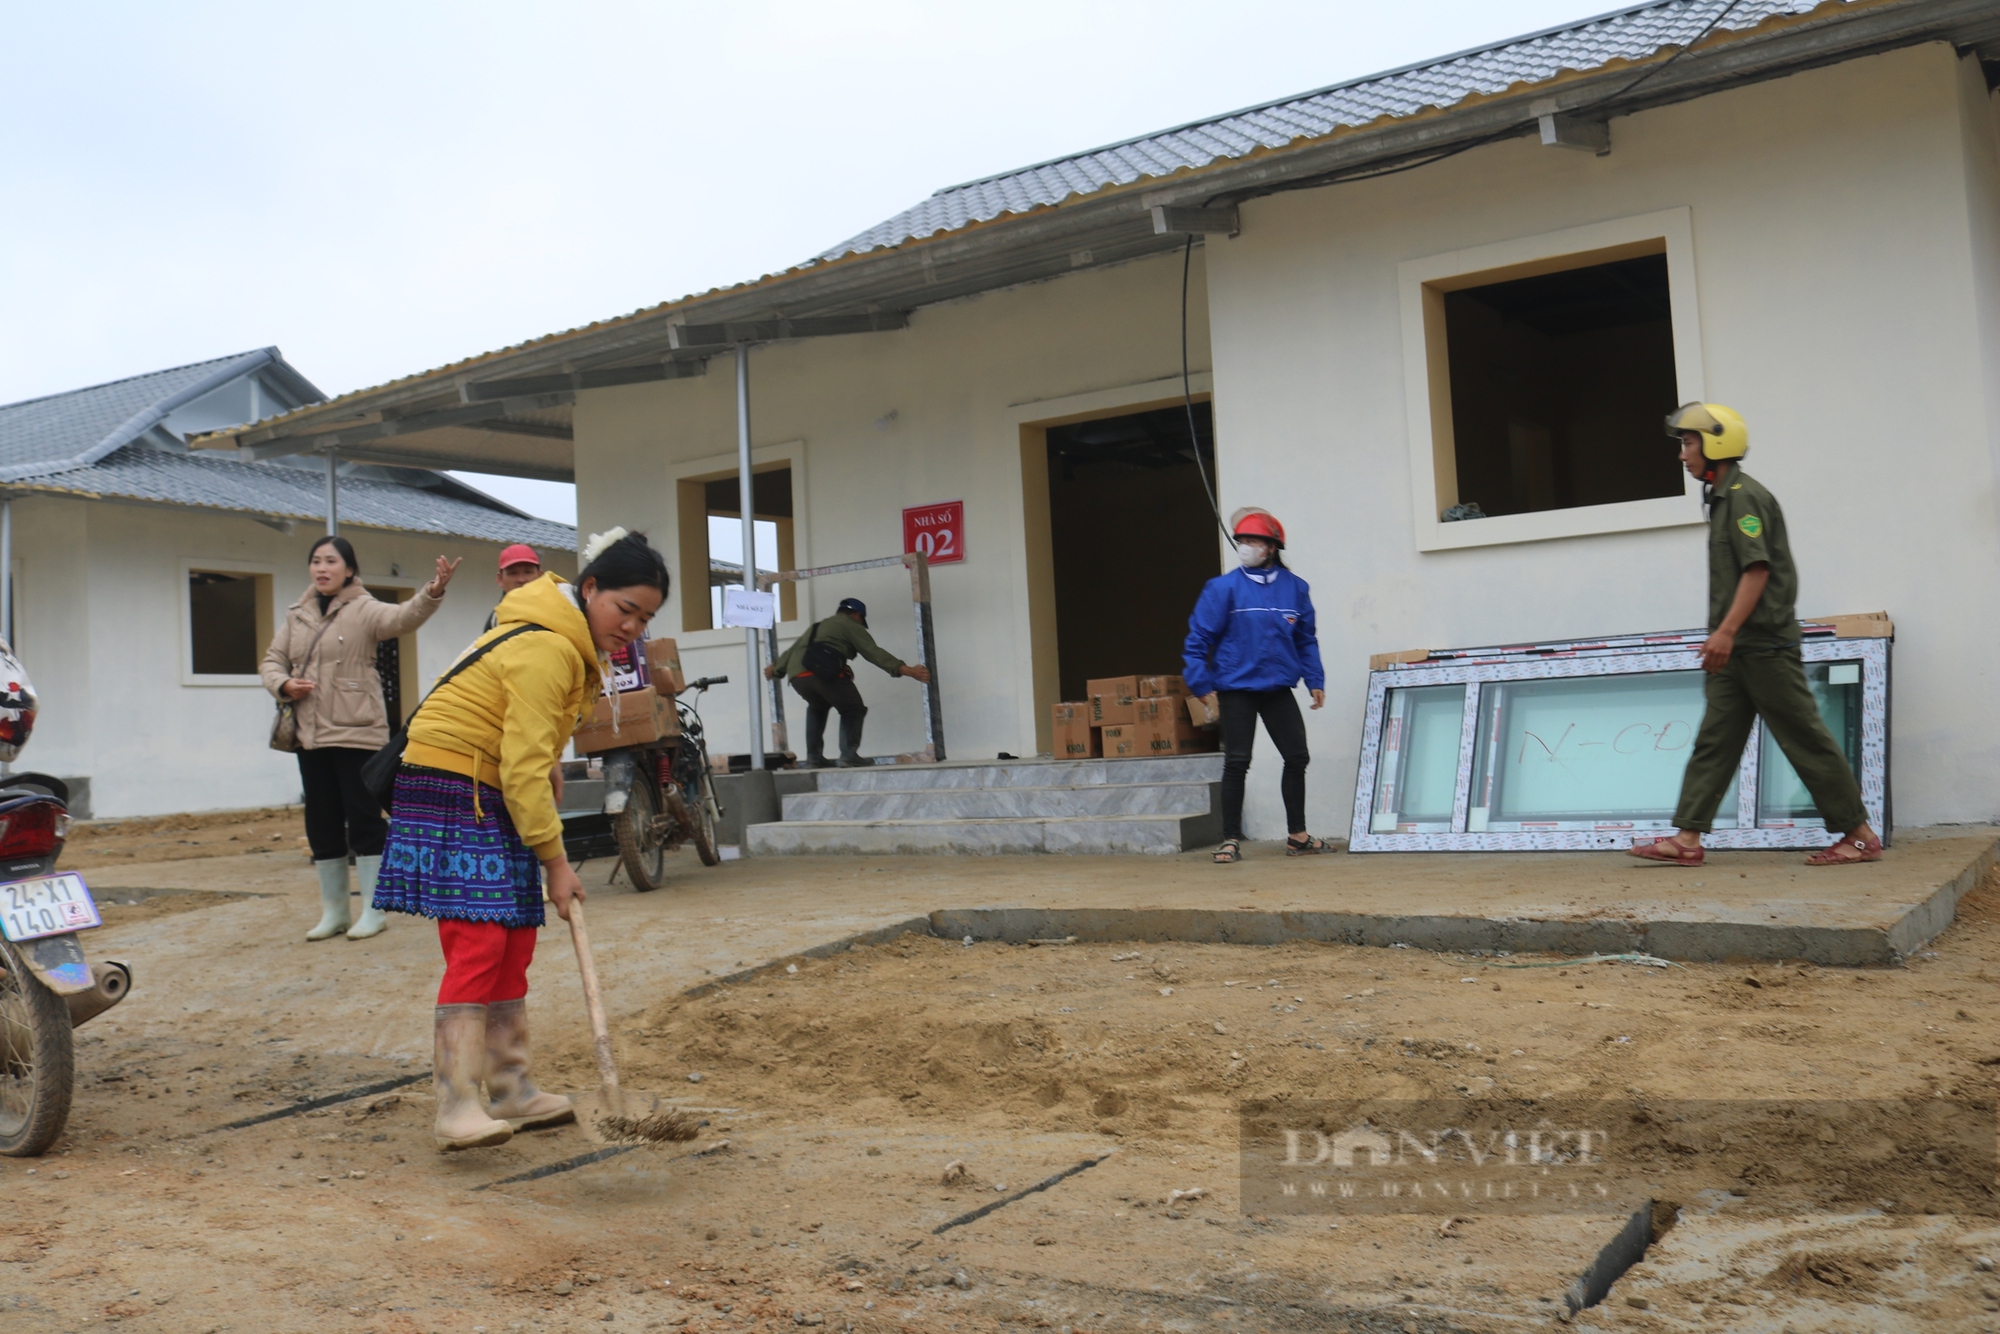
{"x": 1228, "y": 852}
{"x": 1308, "y": 848}
{"x": 1677, "y": 853}
{"x": 1870, "y": 850}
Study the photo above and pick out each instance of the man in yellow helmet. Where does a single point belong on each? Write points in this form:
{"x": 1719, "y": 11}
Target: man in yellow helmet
{"x": 1752, "y": 654}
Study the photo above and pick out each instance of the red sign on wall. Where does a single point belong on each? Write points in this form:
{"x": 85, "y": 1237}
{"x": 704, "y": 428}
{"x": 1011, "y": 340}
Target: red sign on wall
{"x": 936, "y": 530}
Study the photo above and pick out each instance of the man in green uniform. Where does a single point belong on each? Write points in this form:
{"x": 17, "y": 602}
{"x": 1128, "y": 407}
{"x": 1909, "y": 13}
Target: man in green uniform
{"x": 817, "y": 665}
{"x": 1752, "y": 654}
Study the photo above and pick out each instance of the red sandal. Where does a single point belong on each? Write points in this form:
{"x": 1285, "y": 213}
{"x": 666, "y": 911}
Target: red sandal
{"x": 1870, "y": 849}
{"x": 1678, "y": 853}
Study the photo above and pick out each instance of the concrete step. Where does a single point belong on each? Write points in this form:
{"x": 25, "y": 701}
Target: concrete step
{"x": 1124, "y": 834}
{"x": 1006, "y": 802}
{"x": 1022, "y": 773}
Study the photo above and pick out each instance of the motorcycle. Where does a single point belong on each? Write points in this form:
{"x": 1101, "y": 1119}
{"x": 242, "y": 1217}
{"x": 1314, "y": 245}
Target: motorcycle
{"x": 656, "y": 797}
{"x": 47, "y": 987}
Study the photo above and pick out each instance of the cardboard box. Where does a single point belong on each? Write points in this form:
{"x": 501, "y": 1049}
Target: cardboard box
{"x": 642, "y": 717}
{"x": 1162, "y": 687}
{"x": 1163, "y": 728}
{"x": 1077, "y": 741}
{"x": 663, "y": 657}
{"x": 1382, "y": 662}
{"x": 1072, "y": 737}
{"x": 1200, "y": 714}
{"x": 1111, "y": 700}
{"x": 1121, "y": 741}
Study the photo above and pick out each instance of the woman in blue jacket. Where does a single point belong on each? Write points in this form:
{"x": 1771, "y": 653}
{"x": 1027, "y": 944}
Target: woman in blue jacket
{"x": 1252, "y": 638}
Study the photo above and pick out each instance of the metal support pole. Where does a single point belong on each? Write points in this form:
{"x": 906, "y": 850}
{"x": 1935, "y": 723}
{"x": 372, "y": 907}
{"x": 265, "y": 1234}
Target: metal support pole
{"x": 332, "y": 496}
{"x": 745, "y": 500}
{"x": 920, "y": 596}
{"x": 781, "y": 740}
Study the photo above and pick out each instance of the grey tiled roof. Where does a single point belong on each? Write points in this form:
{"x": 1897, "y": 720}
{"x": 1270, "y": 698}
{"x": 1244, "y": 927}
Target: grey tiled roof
{"x": 62, "y": 426}
{"x": 86, "y": 442}
{"x": 1631, "y": 34}
{"x": 150, "y": 473}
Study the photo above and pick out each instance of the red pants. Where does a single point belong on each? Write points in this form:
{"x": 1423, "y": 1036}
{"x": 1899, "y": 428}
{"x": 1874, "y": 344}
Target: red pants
{"x": 484, "y": 962}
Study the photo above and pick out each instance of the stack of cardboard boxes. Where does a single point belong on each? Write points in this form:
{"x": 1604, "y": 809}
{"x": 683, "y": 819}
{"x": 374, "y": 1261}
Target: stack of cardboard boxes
{"x": 1131, "y": 716}
{"x": 644, "y": 685}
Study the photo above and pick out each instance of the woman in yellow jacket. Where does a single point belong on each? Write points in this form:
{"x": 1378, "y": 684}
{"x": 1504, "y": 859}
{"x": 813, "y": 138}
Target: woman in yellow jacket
{"x": 476, "y": 856}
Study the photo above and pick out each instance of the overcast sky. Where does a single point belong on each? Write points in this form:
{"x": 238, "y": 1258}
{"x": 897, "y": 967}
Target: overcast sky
{"x": 382, "y": 188}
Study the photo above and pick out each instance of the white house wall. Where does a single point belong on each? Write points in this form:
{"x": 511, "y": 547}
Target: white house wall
{"x": 956, "y": 381}
{"x": 1844, "y": 252}
{"x": 100, "y": 628}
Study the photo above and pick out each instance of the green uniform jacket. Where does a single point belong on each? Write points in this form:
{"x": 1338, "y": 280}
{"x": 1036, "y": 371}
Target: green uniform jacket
{"x": 848, "y": 636}
{"x": 1745, "y": 526}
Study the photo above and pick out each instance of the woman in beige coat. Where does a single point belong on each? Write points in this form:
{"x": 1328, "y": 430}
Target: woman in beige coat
{"x": 323, "y": 660}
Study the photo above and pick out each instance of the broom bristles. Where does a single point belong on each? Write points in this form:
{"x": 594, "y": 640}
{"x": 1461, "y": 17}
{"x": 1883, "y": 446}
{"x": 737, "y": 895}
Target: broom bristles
{"x": 662, "y": 1127}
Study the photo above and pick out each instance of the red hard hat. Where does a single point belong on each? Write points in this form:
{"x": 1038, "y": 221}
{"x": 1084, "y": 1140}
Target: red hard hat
{"x": 1257, "y": 523}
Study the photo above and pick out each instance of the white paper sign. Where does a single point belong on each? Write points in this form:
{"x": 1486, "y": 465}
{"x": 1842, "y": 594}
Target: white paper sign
{"x": 748, "y": 608}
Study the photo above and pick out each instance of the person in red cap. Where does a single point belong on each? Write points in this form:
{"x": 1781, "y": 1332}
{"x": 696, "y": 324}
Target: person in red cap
{"x": 518, "y": 565}
{"x": 1251, "y": 640}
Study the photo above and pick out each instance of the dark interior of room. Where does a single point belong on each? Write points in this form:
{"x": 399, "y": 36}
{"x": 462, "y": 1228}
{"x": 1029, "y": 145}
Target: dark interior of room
{"x": 1134, "y": 541}
{"x": 1559, "y": 385}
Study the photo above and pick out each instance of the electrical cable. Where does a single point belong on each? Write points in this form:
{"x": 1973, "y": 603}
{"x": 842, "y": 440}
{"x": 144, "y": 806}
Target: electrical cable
{"x": 1187, "y": 395}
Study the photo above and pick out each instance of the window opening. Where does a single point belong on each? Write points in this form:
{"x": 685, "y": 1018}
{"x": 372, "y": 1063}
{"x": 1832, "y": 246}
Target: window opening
{"x": 725, "y": 557}
{"x": 1559, "y": 382}
{"x": 1132, "y": 540}
{"x": 229, "y": 622}
{"x": 711, "y": 539}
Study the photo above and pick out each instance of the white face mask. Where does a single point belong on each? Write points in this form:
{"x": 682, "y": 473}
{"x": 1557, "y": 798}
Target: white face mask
{"x": 1252, "y": 554}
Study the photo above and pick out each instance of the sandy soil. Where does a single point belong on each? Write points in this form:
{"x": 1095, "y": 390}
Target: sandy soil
{"x": 844, "y": 1090}
{"x": 96, "y": 843}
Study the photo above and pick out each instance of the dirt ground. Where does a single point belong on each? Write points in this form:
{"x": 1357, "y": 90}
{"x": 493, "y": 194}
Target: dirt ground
{"x": 162, "y": 838}
{"x": 837, "y": 1096}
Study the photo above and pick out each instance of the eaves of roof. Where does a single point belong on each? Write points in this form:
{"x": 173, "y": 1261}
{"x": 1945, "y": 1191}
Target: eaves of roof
{"x": 146, "y": 475}
{"x": 1092, "y": 208}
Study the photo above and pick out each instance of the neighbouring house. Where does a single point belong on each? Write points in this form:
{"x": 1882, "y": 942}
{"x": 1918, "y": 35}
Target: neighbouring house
{"x": 146, "y": 578}
{"x": 1479, "y": 280}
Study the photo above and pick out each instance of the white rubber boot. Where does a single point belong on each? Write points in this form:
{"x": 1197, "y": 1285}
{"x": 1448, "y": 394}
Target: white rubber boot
{"x": 458, "y": 1058}
{"x": 373, "y": 921}
{"x": 335, "y": 915}
{"x": 516, "y": 1100}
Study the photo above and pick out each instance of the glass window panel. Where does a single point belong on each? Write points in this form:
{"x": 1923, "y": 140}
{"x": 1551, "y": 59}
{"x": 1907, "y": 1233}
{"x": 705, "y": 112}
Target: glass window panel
{"x": 1577, "y": 752}
{"x": 1417, "y": 776}
{"x": 1781, "y": 798}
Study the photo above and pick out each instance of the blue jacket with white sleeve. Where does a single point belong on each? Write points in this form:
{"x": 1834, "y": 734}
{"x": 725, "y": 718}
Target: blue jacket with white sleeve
{"x": 1253, "y": 630}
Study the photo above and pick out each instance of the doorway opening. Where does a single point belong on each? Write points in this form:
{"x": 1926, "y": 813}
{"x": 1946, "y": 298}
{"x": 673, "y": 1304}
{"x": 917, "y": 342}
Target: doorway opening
{"x": 1132, "y": 541}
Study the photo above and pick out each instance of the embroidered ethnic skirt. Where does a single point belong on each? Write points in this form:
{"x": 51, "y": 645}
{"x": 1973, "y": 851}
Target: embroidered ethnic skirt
{"x": 444, "y": 860}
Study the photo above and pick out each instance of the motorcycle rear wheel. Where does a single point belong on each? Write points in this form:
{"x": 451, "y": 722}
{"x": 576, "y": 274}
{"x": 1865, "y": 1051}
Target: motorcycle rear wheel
{"x": 37, "y": 1060}
{"x": 640, "y": 846}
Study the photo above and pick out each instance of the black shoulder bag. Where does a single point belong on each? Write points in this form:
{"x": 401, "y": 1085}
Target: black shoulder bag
{"x": 823, "y": 660}
{"x": 378, "y": 773}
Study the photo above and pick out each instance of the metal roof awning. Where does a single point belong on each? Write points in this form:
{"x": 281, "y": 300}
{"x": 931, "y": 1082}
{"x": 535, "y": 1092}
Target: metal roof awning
{"x": 509, "y": 411}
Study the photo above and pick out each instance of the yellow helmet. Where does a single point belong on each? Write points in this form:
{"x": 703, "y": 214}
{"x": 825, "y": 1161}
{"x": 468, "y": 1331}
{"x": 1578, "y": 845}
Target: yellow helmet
{"x": 1723, "y": 434}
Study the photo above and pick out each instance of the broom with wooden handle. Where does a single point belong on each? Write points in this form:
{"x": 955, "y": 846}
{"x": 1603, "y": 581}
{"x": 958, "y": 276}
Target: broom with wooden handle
{"x": 664, "y": 1125}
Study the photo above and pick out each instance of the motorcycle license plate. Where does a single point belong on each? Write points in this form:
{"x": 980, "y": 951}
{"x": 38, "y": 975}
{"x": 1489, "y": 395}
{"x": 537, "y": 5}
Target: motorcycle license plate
{"x": 47, "y": 906}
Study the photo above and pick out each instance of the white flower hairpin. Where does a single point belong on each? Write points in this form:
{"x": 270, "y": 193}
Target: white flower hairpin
{"x": 599, "y": 543}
